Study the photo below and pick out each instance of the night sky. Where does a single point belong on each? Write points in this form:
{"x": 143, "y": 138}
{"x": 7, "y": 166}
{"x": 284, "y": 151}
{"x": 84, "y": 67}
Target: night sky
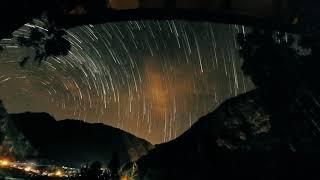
{"x": 151, "y": 78}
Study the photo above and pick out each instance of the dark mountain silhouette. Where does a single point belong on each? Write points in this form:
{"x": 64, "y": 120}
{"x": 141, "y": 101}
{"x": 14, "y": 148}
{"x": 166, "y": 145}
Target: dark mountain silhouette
{"x": 69, "y": 142}
{"x": 236, "y": 141}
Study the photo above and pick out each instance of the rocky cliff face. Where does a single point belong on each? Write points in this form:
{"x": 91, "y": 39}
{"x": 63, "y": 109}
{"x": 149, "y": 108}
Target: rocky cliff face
{"x": 3, "y": 111}
{"x": 236, "y": 140}
{"x": 69, "y": 142}
{"x": 13, "y": 143}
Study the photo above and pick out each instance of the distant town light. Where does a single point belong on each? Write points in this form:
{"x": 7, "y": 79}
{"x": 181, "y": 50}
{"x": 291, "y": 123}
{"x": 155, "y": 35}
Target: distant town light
{"x": 4, "y": 162}
{"x": 124, "y": 178}
{"x": 58, "y": 173}
{"x": 27, "y": 169}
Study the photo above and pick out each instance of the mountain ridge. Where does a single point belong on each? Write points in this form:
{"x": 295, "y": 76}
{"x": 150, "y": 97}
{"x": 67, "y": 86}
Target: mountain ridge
{"x": 69, "y": 142}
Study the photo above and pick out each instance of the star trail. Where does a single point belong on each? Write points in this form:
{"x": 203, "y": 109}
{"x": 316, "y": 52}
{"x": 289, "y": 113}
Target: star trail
{"x": 151, "y": 78}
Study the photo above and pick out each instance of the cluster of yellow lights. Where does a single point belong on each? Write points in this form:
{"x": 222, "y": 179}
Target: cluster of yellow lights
{"x": 124, "y": 178}
{"x": 58, "y": 173}
{"x": 4, "y": 162}
{"x": 27, "y": 169}
{"x": 7, "y": 163}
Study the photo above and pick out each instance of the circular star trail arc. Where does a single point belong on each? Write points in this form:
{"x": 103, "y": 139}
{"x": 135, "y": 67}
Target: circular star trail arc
{"x": 151, "y": 78}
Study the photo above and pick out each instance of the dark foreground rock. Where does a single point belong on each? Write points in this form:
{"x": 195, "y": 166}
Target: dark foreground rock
{"x": 236, "y": 141}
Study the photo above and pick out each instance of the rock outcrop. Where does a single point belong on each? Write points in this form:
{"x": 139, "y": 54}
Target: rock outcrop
{"x": 13, "y": 143}
{"x": 237, "y": 140}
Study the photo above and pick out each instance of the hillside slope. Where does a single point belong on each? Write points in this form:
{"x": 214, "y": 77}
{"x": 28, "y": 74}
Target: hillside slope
{"x": 235, "y": 141}
{"x": 70, "y": 142}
